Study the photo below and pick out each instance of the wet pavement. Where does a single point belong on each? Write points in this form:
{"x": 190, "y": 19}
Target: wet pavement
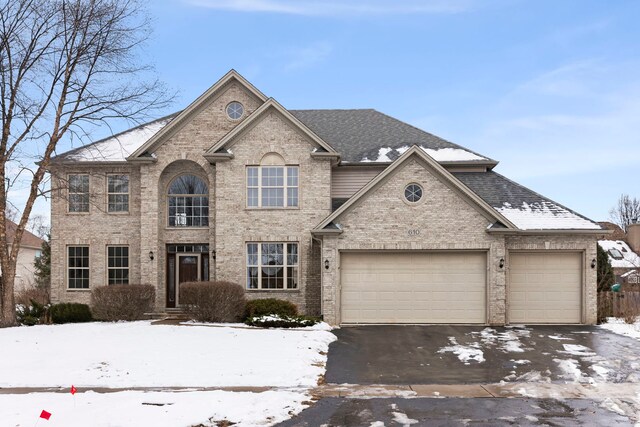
{"x": 479, "y": 376}
{"x": 477, "y": 354}
{"x": 457, "y": 412}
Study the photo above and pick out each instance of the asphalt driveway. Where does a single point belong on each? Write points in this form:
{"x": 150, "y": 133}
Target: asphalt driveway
{"x": 468, "y": 354}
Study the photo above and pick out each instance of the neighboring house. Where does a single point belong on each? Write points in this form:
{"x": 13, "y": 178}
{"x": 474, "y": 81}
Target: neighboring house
{"x": 30, "y": 249}
{"x": 624, "y": 256}
{"x": 350, "y": 214}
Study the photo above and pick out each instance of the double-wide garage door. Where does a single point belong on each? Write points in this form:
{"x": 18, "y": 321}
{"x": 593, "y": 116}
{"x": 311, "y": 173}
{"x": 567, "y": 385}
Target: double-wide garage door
{"x": 545, "y": 287}
{"x": 416, "y": 287}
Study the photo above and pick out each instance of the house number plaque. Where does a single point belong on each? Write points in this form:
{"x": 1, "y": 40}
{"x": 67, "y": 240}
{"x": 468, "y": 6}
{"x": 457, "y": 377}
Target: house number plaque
{"x": 412, "y": 232}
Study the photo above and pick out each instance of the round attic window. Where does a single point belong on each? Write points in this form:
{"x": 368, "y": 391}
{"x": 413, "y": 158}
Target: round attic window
{"x": 235, "y": 110}
{"x": 413, "y": 193}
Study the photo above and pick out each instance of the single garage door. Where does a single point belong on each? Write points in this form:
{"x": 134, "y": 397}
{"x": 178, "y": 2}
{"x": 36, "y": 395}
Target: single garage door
{"x": 545, "y": 287}
{"x": 416, "y": 287}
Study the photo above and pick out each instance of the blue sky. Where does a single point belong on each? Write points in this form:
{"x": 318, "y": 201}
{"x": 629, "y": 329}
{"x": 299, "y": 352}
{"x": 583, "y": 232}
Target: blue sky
{"x": 551, "y": 89}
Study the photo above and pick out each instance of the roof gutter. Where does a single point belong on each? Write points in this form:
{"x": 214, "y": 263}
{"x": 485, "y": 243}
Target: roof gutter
{"x": 587, "y": 232}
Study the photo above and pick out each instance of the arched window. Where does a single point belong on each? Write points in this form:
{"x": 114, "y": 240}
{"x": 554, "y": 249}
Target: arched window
{"x": 188, "y": 201}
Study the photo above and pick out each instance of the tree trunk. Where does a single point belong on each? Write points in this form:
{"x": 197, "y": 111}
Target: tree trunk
{"x": 8, "y": 314}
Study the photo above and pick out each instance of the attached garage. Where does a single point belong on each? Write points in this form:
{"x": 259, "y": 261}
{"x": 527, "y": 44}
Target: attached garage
{"x": 413, "y": 287}
{"x": 545, "y": 287}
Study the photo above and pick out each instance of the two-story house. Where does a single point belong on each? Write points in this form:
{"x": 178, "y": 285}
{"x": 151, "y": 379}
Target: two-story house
{"x": 350, "y": 214}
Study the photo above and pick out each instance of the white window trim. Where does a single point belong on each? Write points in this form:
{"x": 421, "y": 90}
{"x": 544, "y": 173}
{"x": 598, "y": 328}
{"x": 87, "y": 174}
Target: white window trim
{"x": 128, "y": 193}
{"x": 118, "y": 268}
{"x": 67, "y": 267}
{"x": 69, "y": 193}
{"x": 285, "y": 187}
{"x": 285, "y": 266}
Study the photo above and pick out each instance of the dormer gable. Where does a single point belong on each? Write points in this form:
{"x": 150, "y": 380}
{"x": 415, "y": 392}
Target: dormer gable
{"x": 221, "y": 150}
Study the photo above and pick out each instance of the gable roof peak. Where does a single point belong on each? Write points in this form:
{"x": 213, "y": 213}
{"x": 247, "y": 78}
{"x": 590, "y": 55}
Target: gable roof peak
{"x": 436, "y": 168}
{"x": 269, "y": 104}
{"x": 194, "y": 107}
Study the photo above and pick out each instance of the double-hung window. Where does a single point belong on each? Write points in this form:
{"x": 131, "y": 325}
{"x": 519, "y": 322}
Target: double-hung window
{"x": 118, "y": 193}
{"x": 78, "y": 267}
{"x": 272, "y": 266}
{"x": 272, "y": 186}
{"x": 78, "y": 193}
{"x": 118, "y": 265}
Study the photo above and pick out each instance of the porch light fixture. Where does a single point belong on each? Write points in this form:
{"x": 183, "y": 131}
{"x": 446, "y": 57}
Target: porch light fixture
{"x": 593, "y": 263}
{"x": 213, "y": 254}
{"x": 326, "y": 264}
{"x": 151, "y": 255}
{"x": 501, "y": 263}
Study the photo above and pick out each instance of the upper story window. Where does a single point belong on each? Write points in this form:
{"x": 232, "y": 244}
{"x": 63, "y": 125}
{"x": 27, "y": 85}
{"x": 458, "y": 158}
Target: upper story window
{"x": 118, "y": 193}
{"x": 235, "y": 110}
{"x": 78, "y": 193}
{"x": 188, "y": 202}
{"x": 272, "y": 186}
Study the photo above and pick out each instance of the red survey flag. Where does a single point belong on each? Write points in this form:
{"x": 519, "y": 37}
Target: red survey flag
{"x": 73, "y": 389}
{"x": 46, "y": 415}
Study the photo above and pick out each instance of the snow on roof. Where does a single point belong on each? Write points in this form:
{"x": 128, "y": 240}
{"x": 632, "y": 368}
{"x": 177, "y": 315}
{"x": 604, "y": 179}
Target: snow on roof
{"x": 118, "y": 147}
{"x": 439, "y": 155}
{"x": 545, "y": 216}
{"x": 629, "y": 273}
{"x": 630, "y": 259}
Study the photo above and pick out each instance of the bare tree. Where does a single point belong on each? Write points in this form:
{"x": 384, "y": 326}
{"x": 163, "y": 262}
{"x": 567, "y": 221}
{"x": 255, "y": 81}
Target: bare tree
{"x": 39, "y": 225}
{"x": 625, "y": 212}
{"x": 65, "y": 66}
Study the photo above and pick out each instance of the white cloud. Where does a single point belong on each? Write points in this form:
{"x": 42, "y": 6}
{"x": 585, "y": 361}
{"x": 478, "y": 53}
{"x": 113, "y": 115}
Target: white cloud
{"x": 578, "y": 118}
{"x": 338, "y": 8}
{"x": 307, "y": 56}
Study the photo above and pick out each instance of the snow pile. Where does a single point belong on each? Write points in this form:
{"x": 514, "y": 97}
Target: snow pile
{"x": 570, "y": 369}
{"x": 544, "y": 216}
{"x": 401, "y": 418}
{"x": 158, "y": 409}
{"x": 577, "y": 350}
{"x": 466, "y": 354}
{"x": 389, "y": 154}
{"x": 118, "y": 147}
{"x": 134, "y": 353}
{"x": 620, "y": 327}
{"x": 508, "y": 341}
{"x": 629, "y": 258}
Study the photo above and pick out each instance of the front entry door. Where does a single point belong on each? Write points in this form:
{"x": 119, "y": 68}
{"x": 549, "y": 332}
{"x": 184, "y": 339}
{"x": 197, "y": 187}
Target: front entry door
{"x": 188, "y": 270}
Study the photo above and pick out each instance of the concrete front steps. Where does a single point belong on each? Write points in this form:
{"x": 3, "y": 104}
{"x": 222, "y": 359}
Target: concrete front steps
{"x": 174, "y": 314}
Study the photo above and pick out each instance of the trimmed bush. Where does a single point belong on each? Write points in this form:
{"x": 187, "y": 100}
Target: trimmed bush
{"x": 70, "y": 312}
{"x": 213, "y": 301}
{"x": 276, "y": 321}
{"x": 270, "y": 306}
{"x": 122, "y": 302}
{"x": 31, "y": 314}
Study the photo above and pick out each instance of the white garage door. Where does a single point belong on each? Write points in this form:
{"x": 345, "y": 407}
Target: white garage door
{"x": 545, "y": 287}
{"x": 417, "y": 287}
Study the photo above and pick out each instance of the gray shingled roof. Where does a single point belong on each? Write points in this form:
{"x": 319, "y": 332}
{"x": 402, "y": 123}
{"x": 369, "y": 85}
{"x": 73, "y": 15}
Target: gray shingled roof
{"x": 355, "y": 134}
{"x": 359, "y": 134}
{"x": 507, "y": 196}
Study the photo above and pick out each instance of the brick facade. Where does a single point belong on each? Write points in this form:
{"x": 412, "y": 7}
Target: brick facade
{"x": 381, "y": 221}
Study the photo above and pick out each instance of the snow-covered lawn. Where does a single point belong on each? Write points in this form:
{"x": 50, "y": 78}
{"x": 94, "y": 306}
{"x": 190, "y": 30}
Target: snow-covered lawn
{"x": 158, "y": 409}
{"x": 137, "y": 354}
{"x": 620, "y": 327}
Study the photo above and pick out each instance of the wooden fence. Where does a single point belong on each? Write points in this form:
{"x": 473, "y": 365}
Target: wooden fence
{"x": 618, "y": 304}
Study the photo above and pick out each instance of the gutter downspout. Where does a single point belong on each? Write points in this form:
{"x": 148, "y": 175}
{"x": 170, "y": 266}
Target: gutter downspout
{"x": 321, "y": 241}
